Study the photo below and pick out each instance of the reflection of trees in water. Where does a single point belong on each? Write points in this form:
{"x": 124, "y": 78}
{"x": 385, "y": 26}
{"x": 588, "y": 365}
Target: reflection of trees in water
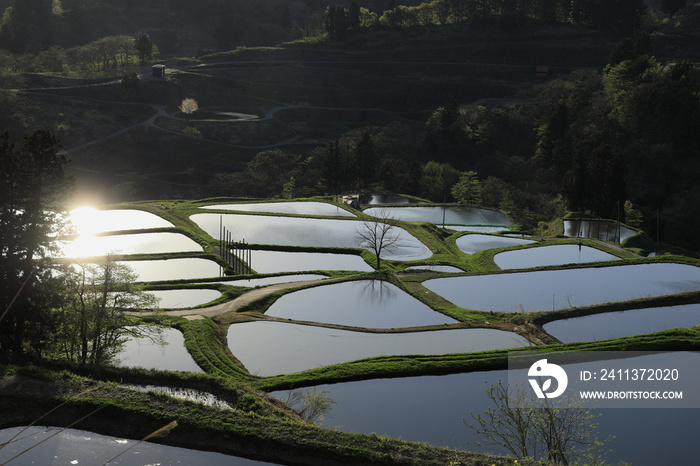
{"x": 375, "y": 293}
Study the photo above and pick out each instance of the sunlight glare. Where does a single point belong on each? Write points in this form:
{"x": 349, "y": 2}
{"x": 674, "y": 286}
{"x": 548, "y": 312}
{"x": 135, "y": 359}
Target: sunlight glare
{"x": 86, "y": 220}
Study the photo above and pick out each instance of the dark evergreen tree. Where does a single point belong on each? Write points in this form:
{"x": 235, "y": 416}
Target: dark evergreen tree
{"x": 337, "y": 23}
{"x": 366, "y": 160}
{"x": 144, "y": 47}
{"x": 353, "y": 15}
{"x": 332, "y": 167}
{"x": 33, "y": 191}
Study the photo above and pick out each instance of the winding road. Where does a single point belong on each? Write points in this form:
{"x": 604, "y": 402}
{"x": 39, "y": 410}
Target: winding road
{"x": 233, "y": 305}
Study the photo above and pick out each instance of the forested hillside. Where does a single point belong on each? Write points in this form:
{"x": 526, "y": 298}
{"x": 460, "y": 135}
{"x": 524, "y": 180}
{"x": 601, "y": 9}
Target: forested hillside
{"x": 543, "y": 106}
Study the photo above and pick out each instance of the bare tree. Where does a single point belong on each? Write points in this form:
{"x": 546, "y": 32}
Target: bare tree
{"x": 556, "y": 435}
{"x": 379, "y": 235}
{"x": 312, "y": 404}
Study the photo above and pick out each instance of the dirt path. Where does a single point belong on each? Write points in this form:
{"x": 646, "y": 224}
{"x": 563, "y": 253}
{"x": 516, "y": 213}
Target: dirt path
{"x": 223, "y": 308}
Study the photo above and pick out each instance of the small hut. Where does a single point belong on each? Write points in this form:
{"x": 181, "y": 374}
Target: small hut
{"x": 158, "y": 71}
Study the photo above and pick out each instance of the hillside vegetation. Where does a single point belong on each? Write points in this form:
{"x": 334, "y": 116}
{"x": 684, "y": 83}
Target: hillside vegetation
{"x": 554, "y": 106}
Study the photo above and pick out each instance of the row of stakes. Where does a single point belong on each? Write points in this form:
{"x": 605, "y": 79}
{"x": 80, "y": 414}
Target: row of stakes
{"x": 235, "y": 253}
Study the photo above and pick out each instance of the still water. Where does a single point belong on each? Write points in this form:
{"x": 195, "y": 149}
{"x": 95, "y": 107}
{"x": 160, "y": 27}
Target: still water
{"x": 88, "y": 220}
{"x": 283, "y": 261}
{"x": 147, "y": 353}
{"x": 138, "y": 243}
{"x": 381, "y": 199}
{"x": 294, "y": 208}
{"x": 436, "y": 214}
{"x": 179, "y": 299}
{"x": 471, "y": 244}
{"x": 436, "y": 268}
{"x": 624, "y": 323}
{"x": 361, "y": 303}
{"x": 431, "y": 408}
{"x": 174, "y": 269}
{"x": 308, "y": 232}
{"x": 272, "y": 348}
{"x": 253, "y": 282}
{"x": 606, "y": 230}
{"x": 559, "y": 289}
{"x": 559, "y": 254}
{"x": 52, "y": 445}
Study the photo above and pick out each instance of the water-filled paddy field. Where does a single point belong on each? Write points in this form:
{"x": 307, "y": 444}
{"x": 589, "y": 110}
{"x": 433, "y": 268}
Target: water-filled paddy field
{"x": 305, "y": 232}
{"x": 89, "y": 220}
{"x": 549, "y": 290}
{"x": 559, "y": 254}
{"x": 164, "y": 349}
{"x": 53, "y": 445}
{"x": 450, "y": 215}
{"x": 253, "y": 282}
{"x": 284, "y": 261}
{"x": 293, "y": 208}
{"x": 471, "y": 244}
{"x": 271, "y": 348}
{"x": 437, "y": 404}
{"x": 362, "y": 303}
{"x": 624, "y": 323}
{"x": 605, "y": 230}
{"x": 138, "y": 243}
{"x": 177, "y": 299}
{"x": 431, "y": 408}
{"x": 174, "y": 269}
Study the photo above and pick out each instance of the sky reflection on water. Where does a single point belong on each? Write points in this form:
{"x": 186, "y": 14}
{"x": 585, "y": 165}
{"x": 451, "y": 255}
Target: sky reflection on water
{"x": 272, "y": 348}
{"x": 362, "y": 303}
{"x": 559, "y": 289}
{"x": 624, "y": 323}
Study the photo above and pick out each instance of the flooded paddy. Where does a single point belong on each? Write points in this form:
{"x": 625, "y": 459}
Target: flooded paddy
{"x": 88, "y": 220}
{"x": 560, "y": 289}
{"x": 305, "y": 232}
{"x": 607, "y": 230}
{"x": 430, "y": 409}
{"x": 253, "y": 282}
{"x": 436, "y": 268}
{"x": 174, "y": 269}
{"x": 138, "y": 243}
{"x": 294, "y": 208}
{"x": 471, "y": 244}
{"x": 54, "y": 445}
{"x": 558, "y": 254}
{"x": 624, "y": 323}
{"x": 178, "y": 299}
{"x": 148, "y": 353}
{"x": 389, "y": 199}
{"x": 362, "y": 303}
{"x": 477, "y": 229}
{"x": 435, "y": 214}
{"x": 272, "y": 348}
{"x": 283, "y": 261}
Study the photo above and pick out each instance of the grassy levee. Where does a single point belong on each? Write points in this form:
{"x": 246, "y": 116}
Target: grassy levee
{"x": 206, "y": 342}
{"x": 419, "y": 365}
{"x": 264, "y": 431}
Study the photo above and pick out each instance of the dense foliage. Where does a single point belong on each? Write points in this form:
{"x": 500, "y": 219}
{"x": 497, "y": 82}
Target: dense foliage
{"x": 33, "y": 188}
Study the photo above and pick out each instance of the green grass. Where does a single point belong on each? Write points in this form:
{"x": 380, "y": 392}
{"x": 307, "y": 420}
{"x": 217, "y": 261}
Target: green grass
{"x": 260, "y": 422}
